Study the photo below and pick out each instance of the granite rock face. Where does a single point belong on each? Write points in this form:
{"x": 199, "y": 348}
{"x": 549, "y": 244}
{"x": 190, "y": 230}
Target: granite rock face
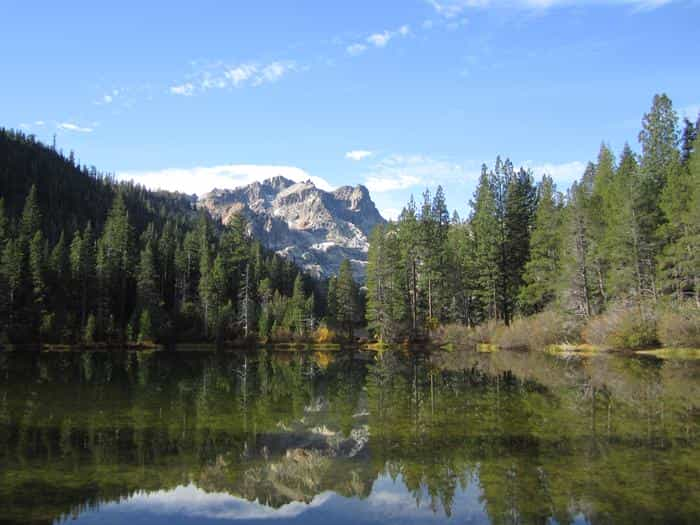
{"x": 315, "y": 228}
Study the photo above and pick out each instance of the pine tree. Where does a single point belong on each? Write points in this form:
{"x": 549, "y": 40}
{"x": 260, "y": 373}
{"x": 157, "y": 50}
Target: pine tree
{"x": 347, "y": 309}
{"x": 408, "y": 232}
{"x": 576, "y": 275}
{"x": 680, "y": 261}
{"x": 659, "y": 162}
{"x": 37, "y": 272}
{"x": 622, "y": 239}
{"x": 296, "y": 309}
{"x": 115, "y": 267}
{"x": 600, "y": 207}
{"x": 332, "y": 299}
{"x": 30, "y": 223}
{"x": 438, "y": 292}
{"x": 487, "y": 245}
{"x": 83, "y": 270}
{"x": 4, "y": 225}
{"x": 519, "y": 212}
{"x": 246, "y": 307}
{"x": 543, "y": 269}
{"x": 265, "y": 319}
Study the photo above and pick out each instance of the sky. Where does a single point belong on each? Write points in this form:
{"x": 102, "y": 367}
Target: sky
{"x": 397, "y": 95}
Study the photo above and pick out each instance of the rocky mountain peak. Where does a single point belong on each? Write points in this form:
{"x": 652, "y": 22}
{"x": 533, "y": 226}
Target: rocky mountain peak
{"x": 315, "y": 228}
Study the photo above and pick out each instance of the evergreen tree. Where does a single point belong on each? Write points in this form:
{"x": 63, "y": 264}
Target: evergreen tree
{"x": 37, "y": 271}
{"x": 543, "y": 268}
{"x": 520, "y": 202}
{"x": 30, "y": 222}
{"x": 576, "y": 275}
{"x": 348, "y": 307}
{"x": 659, "y": 162}
{"x": 487, "y": 246}
{"x": 622, "y": 237}
{"x": 115, "y": 263}
{"x": 332, "y": 299}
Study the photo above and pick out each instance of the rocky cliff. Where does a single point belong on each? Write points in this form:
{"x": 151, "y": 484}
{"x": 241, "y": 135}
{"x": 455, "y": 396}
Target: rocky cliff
{"x": 315, "y": 228}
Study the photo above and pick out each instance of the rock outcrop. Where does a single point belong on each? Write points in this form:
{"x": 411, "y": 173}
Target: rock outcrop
{"x": 315, "y": 228}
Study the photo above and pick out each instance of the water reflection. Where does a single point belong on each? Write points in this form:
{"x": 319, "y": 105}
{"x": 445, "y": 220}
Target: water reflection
{"x": 187, "y": 436}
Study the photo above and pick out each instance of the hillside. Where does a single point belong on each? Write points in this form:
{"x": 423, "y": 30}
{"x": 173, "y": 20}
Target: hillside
{"x": 87, "y": 259}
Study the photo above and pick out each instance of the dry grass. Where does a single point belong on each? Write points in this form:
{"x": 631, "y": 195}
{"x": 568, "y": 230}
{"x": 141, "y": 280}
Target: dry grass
{"x": 680, "y": 327}
{"x": 621, "y": 329}
{"x": 534, "y": 333}
{"x": 538, "y": 331}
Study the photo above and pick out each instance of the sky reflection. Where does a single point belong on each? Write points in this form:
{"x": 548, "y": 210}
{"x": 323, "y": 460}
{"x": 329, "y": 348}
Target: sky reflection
{"x": 389, "y": 502}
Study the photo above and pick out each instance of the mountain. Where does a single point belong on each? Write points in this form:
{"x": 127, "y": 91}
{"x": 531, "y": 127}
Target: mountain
{"x": 315, "y": 228}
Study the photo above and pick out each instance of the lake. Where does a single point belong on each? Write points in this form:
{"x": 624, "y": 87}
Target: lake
{"x": 196, "y": 436}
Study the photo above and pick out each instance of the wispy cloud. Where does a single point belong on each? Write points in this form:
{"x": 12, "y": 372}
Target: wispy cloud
{"x": 400, "y": 172}
{"x": 186, "y": 89}
{"x": 380, "y": 39}
{"x": 453, "y": 8}
{"x": 564, "y": 173}
{"x": 356, "y": 49}
{"x": 221, "y": 76}
{"x": 358, "y": 154}
{"x": 30, "y": 125}
{"x": 70, "y": 126}
{"x": 201, "y": 179}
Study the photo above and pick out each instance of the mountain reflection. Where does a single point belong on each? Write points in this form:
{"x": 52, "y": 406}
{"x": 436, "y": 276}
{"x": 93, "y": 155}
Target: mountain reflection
{"x": 190, "y": 436}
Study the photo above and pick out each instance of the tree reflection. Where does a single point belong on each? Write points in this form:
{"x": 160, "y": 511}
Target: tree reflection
{"x": 539, "y": 437}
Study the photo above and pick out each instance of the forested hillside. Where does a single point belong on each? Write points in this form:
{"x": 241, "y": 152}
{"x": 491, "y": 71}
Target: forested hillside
{"x": 87, "y": 259}
{"x": 622, "y": 242}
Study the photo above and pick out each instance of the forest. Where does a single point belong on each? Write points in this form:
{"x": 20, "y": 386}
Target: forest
{"x": 614, "y": 260}
{"x": 88, "y": 260}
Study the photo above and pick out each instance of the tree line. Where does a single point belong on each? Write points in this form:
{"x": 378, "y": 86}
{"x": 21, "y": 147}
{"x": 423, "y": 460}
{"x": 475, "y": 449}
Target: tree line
{"x": 626, "y": 235}
{"x": 87, "y": 259}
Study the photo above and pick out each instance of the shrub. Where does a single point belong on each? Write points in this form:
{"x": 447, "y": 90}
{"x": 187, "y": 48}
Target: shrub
{"x": 680, "y": 327}
{"x": 538, "y": 331}
{"x": 457, "y": 335}
{"x": 621, "y": 329}
{"x": 323, "y": 334}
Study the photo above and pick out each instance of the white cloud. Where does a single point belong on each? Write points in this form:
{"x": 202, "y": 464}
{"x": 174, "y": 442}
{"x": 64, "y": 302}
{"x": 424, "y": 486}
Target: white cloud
{"x": 107, "y": 99}
{"x": 220, "y": 76}
{"x": 399, "y": 172}
{"x": 186, "y": 89}
{"x": 563, "y": 174}
{"x": 39, "y": 123}
{"x": 356, "y": 49}
{"x": 200, "y": 180}
{"x": 379, "y": 39}
{"x": 358, "y": 154}
{"x": 399, "y": 181}
{"x": 69, "y": 126}
{"x": 453, "y": 8}
{"x": 273, "y": 72}
{"x": 240, "y": 74}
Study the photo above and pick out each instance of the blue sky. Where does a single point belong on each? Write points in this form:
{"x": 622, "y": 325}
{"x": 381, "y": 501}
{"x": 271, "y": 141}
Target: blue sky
{"x": 397, "y": 95}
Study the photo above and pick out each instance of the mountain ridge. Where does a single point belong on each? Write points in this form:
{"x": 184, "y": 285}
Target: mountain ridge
{"x": 315, "y": 228}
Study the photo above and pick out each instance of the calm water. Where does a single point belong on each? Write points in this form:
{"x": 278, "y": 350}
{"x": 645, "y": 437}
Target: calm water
{"x": 201, "y": 437}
